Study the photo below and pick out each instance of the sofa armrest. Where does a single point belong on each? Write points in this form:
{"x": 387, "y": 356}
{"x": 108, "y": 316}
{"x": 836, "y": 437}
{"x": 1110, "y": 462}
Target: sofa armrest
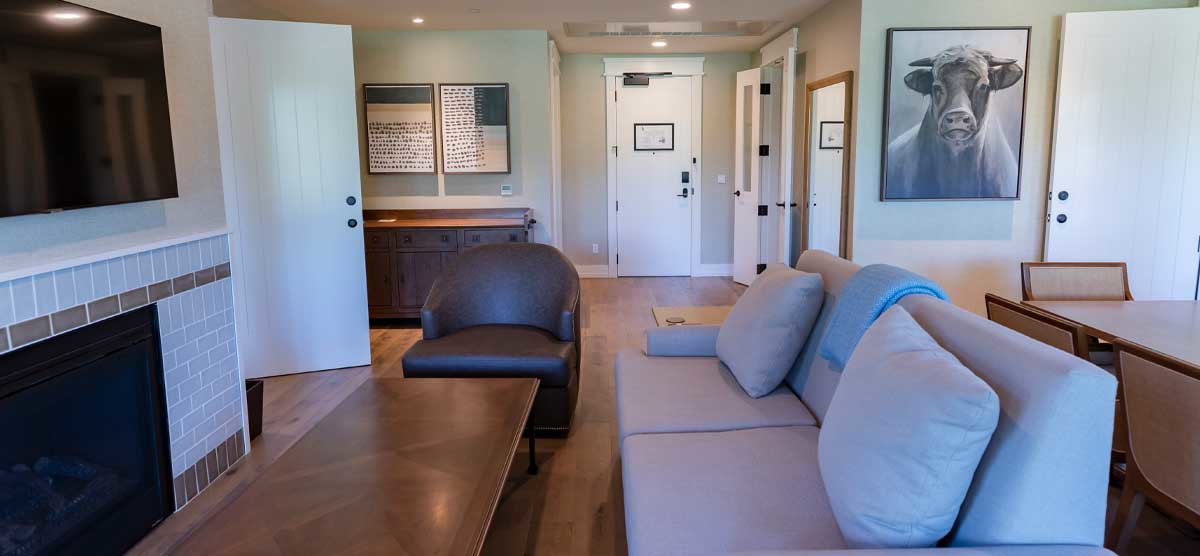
{"x": 682, "y": 341}
{"x": 1029, "y": 550}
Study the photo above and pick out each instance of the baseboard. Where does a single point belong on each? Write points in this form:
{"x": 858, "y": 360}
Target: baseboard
{"x": 592, "y": 270}
{"x": 714, "y": 270}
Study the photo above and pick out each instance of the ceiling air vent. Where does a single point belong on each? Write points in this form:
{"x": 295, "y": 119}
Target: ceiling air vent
{"x": 669, "y": 29}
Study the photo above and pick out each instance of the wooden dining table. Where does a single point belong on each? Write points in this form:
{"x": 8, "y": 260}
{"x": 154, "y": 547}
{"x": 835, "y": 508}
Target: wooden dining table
{"x": 1171, "y": 328}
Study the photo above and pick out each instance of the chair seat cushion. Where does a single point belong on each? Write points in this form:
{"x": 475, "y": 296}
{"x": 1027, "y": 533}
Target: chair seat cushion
{"x": 694, "y": 394}
{"x": 722, "y": 492}
{"x": 493, "y": 350}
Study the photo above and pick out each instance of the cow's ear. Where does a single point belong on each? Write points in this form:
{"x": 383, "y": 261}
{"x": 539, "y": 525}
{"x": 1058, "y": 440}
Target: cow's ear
{"x": 1004, "y": 76}
{"x": 920, "y": 80}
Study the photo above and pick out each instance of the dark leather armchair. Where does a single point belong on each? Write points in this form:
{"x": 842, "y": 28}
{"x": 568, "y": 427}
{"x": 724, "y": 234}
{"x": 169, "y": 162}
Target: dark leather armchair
{"x": 507, "y": 310}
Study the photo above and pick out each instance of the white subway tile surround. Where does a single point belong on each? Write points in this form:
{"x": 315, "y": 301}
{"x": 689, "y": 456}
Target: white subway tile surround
{"x": 190, "y": 285}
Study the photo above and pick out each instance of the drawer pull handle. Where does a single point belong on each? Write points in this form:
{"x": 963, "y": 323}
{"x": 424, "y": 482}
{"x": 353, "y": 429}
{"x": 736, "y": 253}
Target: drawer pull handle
{"x": 445, "y": 238}
{"x": 512, "y": 237}
{"x": 407, "y": 239}
{"x": 475, "y": 238}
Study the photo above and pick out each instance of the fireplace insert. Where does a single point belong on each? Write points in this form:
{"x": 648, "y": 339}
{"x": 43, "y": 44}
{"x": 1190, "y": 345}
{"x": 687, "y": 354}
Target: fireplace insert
{"x": 84, "y": 452}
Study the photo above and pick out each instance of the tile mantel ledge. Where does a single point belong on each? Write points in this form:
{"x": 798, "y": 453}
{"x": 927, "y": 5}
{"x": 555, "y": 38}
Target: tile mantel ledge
{"x": 7, "y": 275}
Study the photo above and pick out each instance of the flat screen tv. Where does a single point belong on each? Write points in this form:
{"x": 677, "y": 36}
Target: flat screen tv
{"x": 83, "y": 109}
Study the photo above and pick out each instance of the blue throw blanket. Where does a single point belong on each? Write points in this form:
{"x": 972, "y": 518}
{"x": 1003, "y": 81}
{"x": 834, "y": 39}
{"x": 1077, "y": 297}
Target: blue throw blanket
{"x": 866, "y": 295}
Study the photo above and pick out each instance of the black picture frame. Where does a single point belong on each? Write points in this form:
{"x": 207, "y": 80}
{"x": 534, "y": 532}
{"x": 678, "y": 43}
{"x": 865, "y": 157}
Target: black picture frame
{"x": 637, "y": 126}
{"x": 507, "y": 118}
{"x": 367, "y": 133}
{"x": 821, "y": 138}
{"x": 887, "y": 113}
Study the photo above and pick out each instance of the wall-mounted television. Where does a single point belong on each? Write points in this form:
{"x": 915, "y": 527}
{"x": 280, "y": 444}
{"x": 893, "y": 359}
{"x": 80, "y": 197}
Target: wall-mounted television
{"x": 83, "y": 109}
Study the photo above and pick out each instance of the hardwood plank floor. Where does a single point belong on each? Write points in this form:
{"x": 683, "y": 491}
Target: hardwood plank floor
{"x": 574, "y": 506}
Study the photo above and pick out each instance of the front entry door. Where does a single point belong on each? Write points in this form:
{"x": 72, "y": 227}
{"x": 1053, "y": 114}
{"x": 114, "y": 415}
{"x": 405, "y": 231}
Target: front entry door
{"x": 285, "y": 99}
{"x": 746, "y": 225}
{"x": 655, "y": 185}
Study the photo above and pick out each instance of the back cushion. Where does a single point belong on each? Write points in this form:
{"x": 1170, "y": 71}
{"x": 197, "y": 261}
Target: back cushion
{"x": 1044, "y": 477}
{"x": 812, "y": 377}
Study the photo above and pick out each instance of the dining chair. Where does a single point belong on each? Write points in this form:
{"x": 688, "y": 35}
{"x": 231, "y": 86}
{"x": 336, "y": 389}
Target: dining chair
{"x": 1162, "y": 406}
{"x": 1037, "y": 324}
{"x": 1075, "y": 282}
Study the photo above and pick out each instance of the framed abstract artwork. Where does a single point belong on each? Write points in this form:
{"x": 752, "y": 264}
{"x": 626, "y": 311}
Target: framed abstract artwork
{"x": 400, "y": 128}
{"x": 475, "y": 128}
{"x": 653, "y": 137}
{"x": 954, "y": 113}
{"x": 833, "y": 135}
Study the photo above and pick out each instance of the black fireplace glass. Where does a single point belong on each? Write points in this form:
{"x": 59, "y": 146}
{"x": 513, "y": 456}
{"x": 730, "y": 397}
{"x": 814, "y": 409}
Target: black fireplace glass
{"x": 84, "y": 467}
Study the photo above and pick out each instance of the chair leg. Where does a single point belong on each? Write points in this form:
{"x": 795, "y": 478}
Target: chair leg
{"x": 1129, "y": 509}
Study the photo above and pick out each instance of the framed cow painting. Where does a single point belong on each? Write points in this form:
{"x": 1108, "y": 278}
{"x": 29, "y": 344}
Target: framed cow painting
{"x": 954, "y": 113}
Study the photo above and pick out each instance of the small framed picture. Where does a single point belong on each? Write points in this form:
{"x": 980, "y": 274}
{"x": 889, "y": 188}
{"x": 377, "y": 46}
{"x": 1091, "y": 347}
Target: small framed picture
{"x": 653, "y": 137}
{"x": 833, "y": 135}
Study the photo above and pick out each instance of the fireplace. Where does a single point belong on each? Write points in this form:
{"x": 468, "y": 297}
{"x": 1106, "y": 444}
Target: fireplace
{"x": 84, "y": 453}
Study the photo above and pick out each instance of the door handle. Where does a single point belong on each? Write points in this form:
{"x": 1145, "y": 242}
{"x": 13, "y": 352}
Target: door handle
{"x": 737, "y": 193}
{"x": 684, "y": 194}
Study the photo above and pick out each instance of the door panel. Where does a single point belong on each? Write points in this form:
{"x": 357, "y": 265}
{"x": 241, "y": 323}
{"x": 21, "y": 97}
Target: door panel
{"x": 1125, "y": 179}
{"x": 746, "y": 178}
{"x": 654, "y": 224}
{"x": 417, "y": 272}
{"x": 287, "y": 122}
{"x": 381, "y": 285}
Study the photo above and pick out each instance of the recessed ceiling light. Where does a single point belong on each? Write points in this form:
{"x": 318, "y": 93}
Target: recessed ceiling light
{"x": 658, "y": 44}
{"x": 680, "y": 5}
{"x": 418, "y": 20}
{"x": 65, "y": 16}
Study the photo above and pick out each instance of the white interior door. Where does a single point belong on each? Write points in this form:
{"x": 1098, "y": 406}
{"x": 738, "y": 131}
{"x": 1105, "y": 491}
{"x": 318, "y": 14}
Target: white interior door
{"x": 746, "y": 177}
{"x": 285, "y": 96}
{"x": 1125, "y": 179}
{"x": 654, "y": 217}
{"x": 769, "y": 175}
{"x": 825, "y": 170}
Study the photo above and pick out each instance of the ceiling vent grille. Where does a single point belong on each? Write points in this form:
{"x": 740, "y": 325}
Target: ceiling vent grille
{"x": 669, "y": 29}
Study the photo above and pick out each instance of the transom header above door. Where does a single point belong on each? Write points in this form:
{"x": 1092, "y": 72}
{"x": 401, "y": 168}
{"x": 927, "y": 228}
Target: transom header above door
{"x": 677, "y": 66}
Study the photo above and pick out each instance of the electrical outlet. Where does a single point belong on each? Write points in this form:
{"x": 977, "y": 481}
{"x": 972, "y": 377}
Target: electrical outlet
{"x": 506, "y": 190}
{"x": 595, "y": 248}
{"x": 720, "y": 178}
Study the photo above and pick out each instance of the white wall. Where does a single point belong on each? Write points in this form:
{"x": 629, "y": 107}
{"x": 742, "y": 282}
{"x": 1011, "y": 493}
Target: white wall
{"x": 34, "y": 242}
{"x": 973, "y": 247}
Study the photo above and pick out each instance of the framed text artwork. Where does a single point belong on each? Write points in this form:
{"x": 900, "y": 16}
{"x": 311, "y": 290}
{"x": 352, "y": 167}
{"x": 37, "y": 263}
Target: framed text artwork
{"x": 832, "y": 135}
{"x": 475, "y": 132}
{"x": 653, "y": 137}
{"x": 400, "y": 128}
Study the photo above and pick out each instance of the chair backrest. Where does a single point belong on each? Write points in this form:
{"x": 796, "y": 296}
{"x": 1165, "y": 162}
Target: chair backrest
{"x": 1039, "y": 325}
{"x": 1075, "y": 282}
{"x": 1162, "y": 405}
{"x": 527, "y": 284}
{"x": 812, "y": 377}
{"x": 1044, "y": 476}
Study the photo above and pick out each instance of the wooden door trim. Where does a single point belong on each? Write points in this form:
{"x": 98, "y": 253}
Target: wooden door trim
{"x": 845, "y": 246}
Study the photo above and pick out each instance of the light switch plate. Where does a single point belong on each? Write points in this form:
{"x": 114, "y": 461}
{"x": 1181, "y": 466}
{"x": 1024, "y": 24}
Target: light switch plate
{"x": 595, "y": 248}
{"x": 506, "y": 190}
{"x": 720, "y": 178}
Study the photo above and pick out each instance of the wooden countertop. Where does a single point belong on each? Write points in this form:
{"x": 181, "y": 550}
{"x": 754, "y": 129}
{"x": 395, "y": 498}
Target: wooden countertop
{"x": 447, "y": 218}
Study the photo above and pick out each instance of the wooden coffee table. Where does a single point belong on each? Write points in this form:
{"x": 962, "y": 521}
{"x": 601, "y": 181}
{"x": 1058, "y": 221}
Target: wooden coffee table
{"x": 695, "y": 315}
{"x": 402, "y": 466}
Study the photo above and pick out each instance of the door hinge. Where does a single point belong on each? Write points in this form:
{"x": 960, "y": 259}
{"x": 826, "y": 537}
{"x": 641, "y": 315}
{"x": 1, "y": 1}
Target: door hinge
{"x": 764, "y": 150}
{"x": 616, "y": 152}
{"x": 618, "y": 209}
{"x": 614, "y": 96}
{"x": 760, "y": 268}
{"x": 762, "y": 210}
{"x": 618, "y": 258}
{"x": 764, "y": 88}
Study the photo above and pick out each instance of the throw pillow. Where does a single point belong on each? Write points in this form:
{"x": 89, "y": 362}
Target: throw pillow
{"x": 768, "y": 325}
{"x": 904, "y": 433}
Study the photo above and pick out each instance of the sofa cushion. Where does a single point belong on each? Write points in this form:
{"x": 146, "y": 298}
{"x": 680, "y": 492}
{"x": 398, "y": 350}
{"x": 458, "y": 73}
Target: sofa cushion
{"x": 493, "y": 350}
{"x": 813, "y": 377}
{"x": 766, "y": 328}
{"x": 721, "y": 492}
{"x": 903, "y": 436}
{"x": 694, "y": 394}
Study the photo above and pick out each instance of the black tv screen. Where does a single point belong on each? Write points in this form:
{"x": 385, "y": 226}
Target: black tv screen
{"x": 83, "y": 109}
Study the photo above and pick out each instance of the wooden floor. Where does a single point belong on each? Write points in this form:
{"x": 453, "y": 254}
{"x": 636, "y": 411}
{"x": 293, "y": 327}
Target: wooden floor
{"x": 574, "y": 506}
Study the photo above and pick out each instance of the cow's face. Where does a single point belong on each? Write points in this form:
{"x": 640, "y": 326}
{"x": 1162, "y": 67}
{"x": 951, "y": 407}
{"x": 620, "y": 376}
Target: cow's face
{"x": 960, "y": 81}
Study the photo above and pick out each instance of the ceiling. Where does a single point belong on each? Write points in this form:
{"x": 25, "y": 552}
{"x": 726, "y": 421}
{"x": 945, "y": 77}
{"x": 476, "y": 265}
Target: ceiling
{"x": 550, "y": 15}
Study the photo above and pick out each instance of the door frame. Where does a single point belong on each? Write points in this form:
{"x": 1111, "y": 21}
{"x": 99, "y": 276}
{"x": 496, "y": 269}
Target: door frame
{"x": 693, "y": 68}
{"x": 556, "y": 201}
{"x": 844, "y": 242}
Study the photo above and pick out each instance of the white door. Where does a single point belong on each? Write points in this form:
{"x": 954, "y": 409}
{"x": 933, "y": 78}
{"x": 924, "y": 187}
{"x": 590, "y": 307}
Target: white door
{"x": 746, "y": 177}
{"x": 285, "y": 96}
{"x": 769, "y": 175}
{"x": 825, "y": 171}
{"x": 654, "y": 213}
{"x": 1125, "y": 179}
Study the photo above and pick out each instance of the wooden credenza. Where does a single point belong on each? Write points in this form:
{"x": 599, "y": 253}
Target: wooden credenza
{"x": 408, "y": 249}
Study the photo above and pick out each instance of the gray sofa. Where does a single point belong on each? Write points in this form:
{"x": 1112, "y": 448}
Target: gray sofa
{"x": 709, "y": 470}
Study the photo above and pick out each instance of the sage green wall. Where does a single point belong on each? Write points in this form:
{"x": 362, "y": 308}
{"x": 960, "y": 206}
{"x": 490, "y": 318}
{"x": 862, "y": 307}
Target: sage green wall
{"x": 585, "y": 177}
{"x": 972, "y": 247}
{"x": 519, "y": 58}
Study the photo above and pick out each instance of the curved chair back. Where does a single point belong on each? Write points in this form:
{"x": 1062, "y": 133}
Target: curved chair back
{"x": 1075, "y": 282}
{"x": 527, "y": 284}
{"x": 1036, "y": 324}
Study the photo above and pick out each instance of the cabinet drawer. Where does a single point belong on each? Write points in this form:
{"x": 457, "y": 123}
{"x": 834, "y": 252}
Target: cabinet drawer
{"x": 472, "y": 238}
{"x": 426, "y": 239}
{"x": 377, "y": 239}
